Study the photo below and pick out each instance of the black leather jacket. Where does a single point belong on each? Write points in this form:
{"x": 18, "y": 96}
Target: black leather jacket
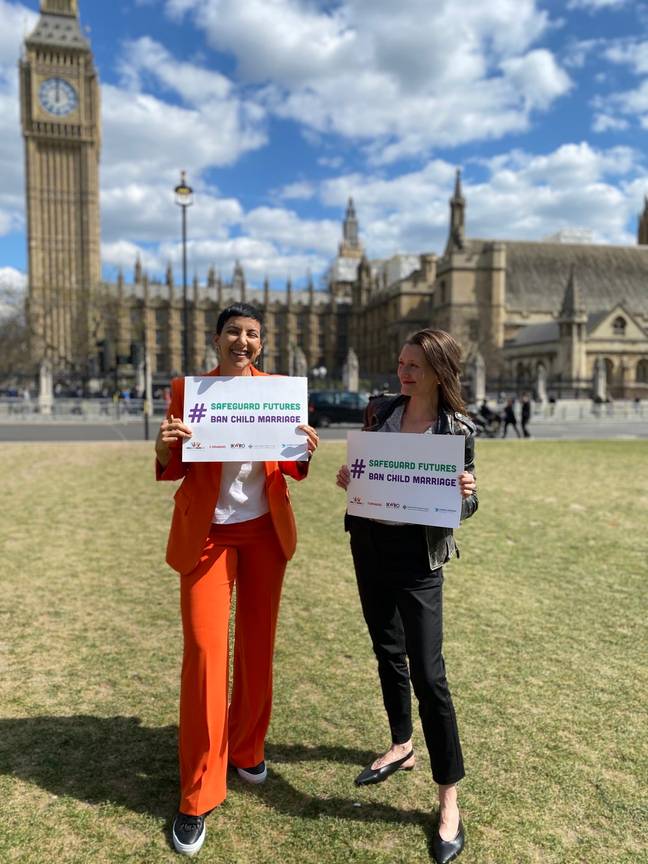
{"x": 440, "y": 541}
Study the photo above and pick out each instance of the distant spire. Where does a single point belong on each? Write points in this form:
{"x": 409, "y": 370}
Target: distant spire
{"x": 120, "y": 282}
{"x": 573, "y": 305}
{"x": 211, "y": 277}
{"x": 219, "y": 290}
{"x": 456, "y": 240}
{"x": 138, "y": 270}
{"x": 238, "y": 282}
{"x": 458, "y": 194}
{"x": 350, "y": 227}
{"x": 289, "y": 291}
{"x": 642, "y": 233}
{"x": 266, "y": 292}
{"x": 195, "y": 288}
{"x": 169, "y": 280}
{"x": 311, "y": 289}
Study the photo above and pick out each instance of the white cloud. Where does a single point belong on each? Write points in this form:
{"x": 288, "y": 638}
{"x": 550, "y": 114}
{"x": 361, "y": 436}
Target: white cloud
{"x": 606, "y": 123}
{"x": 17, "y": 22}
{"x": 596, "y": 5}
{"x": 300, "y": 190}
{"x": 145, "y": 60}
{"x": 632, "y": 101}
{"x": 393, "y": 76}
{"x": 523, "y": 196}
{"x": 633, "y": 54}
{"x": 123, "y": 255}
{"x": 146, "y": 136}
{"x": 12, "y": 291}
{"x": 260, "y": 258}
{"x": 148, "y": 213}
{"x": 285, "y": 229}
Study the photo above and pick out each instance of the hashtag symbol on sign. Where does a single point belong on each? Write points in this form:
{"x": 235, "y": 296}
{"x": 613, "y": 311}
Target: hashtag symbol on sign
{"x": 197, "y": 413}
{"x": 358, "y": 469}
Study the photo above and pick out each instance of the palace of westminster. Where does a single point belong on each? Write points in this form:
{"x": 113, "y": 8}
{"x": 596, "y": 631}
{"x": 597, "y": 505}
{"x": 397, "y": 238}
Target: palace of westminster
{"x": 556, "y": 310}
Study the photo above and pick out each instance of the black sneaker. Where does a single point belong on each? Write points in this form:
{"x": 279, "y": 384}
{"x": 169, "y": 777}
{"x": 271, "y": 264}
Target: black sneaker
{"x": 188, "y": 833}
{"x": 256, "y": 774}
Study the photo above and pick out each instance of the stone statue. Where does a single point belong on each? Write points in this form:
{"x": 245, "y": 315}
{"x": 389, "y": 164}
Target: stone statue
{"x": 46, "y": 388}
{"x": 211, "y": 357}
{"x": 351, "y": 372}
{"x": 297, "y": 362}
{"x": 477, "y": 369}
{"x": 599, "y": 382}
{"x": 541, "y": 383}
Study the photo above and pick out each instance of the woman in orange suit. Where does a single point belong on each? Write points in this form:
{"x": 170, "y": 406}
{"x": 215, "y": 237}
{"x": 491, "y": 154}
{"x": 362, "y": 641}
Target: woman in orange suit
{"x": 232, "y": 523}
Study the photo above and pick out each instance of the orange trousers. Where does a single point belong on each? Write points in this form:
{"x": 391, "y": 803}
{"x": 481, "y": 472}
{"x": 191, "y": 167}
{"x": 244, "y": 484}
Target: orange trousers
{"x": 248, "y": 554}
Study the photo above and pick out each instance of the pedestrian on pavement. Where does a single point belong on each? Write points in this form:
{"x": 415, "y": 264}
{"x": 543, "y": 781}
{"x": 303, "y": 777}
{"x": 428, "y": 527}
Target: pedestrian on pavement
{"x": 525, "y": 414}
{"x": 509, "y": 418}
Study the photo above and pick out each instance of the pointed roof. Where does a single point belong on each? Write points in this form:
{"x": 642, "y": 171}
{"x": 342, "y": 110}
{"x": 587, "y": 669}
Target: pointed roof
{"x": 59, "y": 26}
{"x": 458, "y": 191}
{"x": 573, "y": 304}
{"x": 642, "y": 234}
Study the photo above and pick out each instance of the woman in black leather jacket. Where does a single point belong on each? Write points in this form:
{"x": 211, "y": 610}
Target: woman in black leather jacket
{"x": 400, "y": 578}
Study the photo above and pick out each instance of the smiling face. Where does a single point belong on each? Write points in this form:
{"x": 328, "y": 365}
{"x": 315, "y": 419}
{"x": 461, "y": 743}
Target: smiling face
{"x": 238, "y": 345}
{"x": 416, "y": 376}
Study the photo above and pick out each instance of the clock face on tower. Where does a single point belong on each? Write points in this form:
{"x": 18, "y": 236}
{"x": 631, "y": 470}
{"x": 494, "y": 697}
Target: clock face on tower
{"x": 58, "y": 97}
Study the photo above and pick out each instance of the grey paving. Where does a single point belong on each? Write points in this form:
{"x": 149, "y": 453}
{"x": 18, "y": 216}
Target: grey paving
{"x": 134, "y": 430}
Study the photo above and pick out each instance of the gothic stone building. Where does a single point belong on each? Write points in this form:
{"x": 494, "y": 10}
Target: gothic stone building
{"x": 527, "y": 310}
{"x": 547, "y": 310}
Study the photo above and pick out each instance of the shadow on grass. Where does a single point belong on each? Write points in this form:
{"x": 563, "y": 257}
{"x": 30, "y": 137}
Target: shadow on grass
{"x": 283, "y": 797}
{"x": 95, "y": 759}
{"x": 116, "y": 760}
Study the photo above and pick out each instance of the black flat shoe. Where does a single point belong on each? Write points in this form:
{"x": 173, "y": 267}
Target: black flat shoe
{"x": 377, "y": 775}
{"x": 444, "y": 851}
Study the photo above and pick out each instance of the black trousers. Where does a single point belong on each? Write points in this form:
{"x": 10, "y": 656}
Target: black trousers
{"x": 402, "y": 602}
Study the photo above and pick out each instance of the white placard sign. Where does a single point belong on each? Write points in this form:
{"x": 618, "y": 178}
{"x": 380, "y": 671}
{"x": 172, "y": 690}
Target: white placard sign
{"x": 245, "y": 419}
{"x": 405, "y": 477}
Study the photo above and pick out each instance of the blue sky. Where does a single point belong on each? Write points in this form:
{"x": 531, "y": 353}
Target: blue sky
{"x": 281, "y": 109}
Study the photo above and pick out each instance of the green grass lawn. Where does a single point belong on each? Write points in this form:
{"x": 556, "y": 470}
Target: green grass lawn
{"x": 545, "y": 646}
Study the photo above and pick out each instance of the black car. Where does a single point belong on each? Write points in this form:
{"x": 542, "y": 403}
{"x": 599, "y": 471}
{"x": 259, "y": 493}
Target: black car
{"x": 336, "y": 406}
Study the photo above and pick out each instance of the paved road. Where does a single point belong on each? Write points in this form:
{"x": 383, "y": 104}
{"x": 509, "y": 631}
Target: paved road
{"x": 134, "y": 431}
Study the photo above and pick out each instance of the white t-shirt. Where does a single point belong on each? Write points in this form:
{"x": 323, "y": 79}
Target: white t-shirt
{"x": 242, "y": 493}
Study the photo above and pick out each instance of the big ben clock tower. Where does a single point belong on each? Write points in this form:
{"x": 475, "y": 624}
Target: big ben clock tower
{"x": 61, "y": 128}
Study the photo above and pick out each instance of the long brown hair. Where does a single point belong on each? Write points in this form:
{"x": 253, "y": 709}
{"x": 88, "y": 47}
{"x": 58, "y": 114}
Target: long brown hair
{"x": 443, "y": 354}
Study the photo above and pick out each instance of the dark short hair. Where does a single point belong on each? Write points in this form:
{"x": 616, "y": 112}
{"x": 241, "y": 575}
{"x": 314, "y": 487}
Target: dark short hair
{"x": 238, "y": 310}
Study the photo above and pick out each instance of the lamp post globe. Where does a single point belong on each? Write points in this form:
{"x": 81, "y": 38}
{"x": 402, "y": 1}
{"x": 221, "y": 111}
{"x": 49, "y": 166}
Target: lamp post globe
{"x": 184, "y": 200}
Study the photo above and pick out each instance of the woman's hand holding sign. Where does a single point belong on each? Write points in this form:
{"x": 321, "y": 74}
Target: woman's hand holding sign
{"x": 467, "y": 484}
{"x": 343, "y": 477}
{"x": 312, "y": 438}
{"x": 172, "y": 431}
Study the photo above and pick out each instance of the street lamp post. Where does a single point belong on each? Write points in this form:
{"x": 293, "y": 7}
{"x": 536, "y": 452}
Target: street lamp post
{"x": 184, "y": 199}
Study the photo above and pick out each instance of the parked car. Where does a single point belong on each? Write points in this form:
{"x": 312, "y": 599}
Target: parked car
{"x": 336, "y": 406}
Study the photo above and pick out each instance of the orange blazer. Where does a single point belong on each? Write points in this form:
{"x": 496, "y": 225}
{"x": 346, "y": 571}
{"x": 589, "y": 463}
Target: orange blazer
{"x": 197, "y": 495}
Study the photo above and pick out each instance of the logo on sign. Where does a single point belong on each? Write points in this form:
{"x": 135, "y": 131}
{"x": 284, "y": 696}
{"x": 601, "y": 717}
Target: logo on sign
{"x": 196, "y": 445}
{"x": 356, "y": 500}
